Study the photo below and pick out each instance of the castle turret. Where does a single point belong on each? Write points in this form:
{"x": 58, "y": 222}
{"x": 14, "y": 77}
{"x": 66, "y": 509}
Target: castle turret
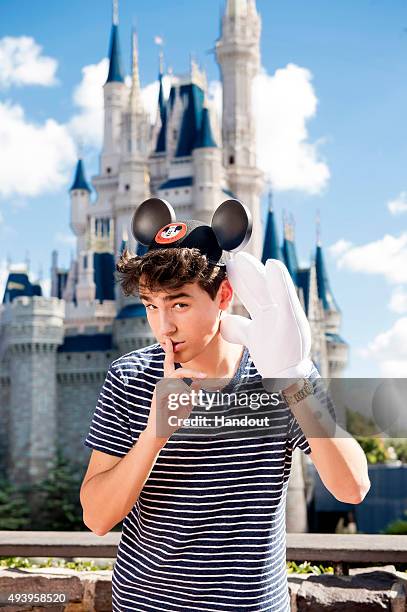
{"x": 86, "y": 286}
{"x": 238, "y": 54}
{"x": 34, "y": 328}
{"x": 207, "y": 169}
{"x": 271, "y": 246}
{"x": 289, "y": 250}
{"x": 337, "y": 348}
{"x": 80, "y": 199}
{"x": 114, "y": 93}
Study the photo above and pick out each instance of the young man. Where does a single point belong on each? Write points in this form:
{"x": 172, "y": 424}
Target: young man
{"x": 204, "y": 517}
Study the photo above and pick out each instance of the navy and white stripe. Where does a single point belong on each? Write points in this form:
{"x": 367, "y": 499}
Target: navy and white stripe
{"x": 208, "y": 530}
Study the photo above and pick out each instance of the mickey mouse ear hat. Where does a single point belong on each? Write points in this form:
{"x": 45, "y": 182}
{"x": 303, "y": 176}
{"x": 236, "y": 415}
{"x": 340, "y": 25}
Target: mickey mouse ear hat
{"x": 154, "y": 224}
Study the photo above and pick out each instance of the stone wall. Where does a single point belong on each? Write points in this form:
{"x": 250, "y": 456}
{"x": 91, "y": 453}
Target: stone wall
{"x": 364, "y": 590}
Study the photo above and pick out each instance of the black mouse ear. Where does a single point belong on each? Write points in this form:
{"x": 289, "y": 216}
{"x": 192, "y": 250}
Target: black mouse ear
{"x": 150, "y": 216}
{"x": 232, "y": 224}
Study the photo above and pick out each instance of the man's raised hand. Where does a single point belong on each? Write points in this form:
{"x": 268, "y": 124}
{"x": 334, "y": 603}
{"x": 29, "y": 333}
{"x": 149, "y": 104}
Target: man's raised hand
{"x": 168, "y": 388}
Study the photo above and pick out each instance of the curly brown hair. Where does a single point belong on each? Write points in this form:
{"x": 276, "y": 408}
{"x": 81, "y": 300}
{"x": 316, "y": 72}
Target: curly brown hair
{"x": 167, "y": 269}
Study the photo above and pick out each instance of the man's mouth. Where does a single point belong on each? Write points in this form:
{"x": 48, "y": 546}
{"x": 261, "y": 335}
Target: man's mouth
{"x": 176, "y": 345}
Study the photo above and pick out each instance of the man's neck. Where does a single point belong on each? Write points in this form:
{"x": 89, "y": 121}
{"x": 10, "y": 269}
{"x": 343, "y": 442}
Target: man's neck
{"x": 220, "y": 359}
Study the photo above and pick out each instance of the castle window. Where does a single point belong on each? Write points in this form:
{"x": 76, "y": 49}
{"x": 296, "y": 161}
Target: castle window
{"x": 88, "y": 356}
{"x": 127, "y": 187}
{"x": 108, "y": 170}
{"x": 85, "y": 261}
{"x": 231, "y": 160}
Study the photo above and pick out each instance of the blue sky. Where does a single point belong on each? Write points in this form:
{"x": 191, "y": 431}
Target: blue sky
{"x": 356, "y": 56}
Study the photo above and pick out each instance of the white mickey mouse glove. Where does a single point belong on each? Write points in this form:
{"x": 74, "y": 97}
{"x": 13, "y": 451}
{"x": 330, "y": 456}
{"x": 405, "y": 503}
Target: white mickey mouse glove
{"x": 278, "y": 334}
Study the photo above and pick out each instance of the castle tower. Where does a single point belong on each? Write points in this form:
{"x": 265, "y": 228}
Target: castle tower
{"x": 114, "y": 93}
{"x": 134, "y": 182}
{"x": 80, "y": 200}
{"x": 207, "y": 168}
{"x": 34, "y": 330}
{"x": 337, "y": 348}
{"x": 238, "y": 54}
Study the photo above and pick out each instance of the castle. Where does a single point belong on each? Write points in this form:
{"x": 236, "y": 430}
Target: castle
{"x": 55, "y": 352}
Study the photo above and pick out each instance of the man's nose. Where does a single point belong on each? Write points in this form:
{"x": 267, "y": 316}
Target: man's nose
{"x": 166, "y": 324}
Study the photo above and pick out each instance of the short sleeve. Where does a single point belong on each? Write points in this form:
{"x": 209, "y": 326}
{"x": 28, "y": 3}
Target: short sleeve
{"x": 296, "y": 436}
{"x": 109, "y": 430}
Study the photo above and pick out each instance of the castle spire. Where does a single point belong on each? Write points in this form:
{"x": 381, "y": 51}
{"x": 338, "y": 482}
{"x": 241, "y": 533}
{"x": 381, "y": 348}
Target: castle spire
{"x": 135, "y": 94}
{"x": 289, "y": 250}
{"x": 324, "y": 289}
{"x": 236, "y": 8}
{"x": 80, "y": 181}
{"x": 162, "y": 109}
{"x": 115, "y": 66}
{"x": 271, "y": 248}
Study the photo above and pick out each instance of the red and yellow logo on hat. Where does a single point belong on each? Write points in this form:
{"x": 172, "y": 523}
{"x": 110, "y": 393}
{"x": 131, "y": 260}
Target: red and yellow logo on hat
{"x": 171, "y": 233}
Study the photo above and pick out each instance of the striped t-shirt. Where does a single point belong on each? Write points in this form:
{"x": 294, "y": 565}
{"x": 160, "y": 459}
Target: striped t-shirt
{"x": 208, "y": 531}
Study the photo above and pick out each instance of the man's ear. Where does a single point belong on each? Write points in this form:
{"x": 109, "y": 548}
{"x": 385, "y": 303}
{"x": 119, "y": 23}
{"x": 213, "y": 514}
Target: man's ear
{"x": 225, "y": 294}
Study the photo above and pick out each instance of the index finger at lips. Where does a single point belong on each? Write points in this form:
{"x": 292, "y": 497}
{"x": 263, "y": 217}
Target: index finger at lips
{"x": 169, "y": 366}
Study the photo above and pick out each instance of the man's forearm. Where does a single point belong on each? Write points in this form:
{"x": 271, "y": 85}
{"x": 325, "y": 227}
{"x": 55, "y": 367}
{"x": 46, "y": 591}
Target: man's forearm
{"x": 108, "y": 497}
{"x": 339, "y": 459}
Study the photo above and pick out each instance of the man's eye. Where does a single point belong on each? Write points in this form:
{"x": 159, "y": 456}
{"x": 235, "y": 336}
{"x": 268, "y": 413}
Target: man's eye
{"x": 148, "y": 306}
{"x": 180, "y": 304}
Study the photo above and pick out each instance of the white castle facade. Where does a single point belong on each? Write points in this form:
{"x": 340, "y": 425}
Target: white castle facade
{"x": 55, "y": 352}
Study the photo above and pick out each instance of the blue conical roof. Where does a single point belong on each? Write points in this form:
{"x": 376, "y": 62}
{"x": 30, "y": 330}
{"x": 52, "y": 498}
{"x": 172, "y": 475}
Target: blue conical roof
{"x": 162, "y": 136}
{"x": 115, "y": 66}
{"x": 290, "y": 258}
{"x": 205, "y": 137}
{"x": 271, "y": 248}
{"x": 79, "y": 181}
{"x": 161, "y": 100}
{"x": 324, "y": 290}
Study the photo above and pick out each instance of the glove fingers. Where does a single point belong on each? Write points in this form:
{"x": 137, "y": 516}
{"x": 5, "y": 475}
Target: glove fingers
{"x": 234, "y": 328}
{"x": 248, "y": 279}
{"x": 280, "y": 285}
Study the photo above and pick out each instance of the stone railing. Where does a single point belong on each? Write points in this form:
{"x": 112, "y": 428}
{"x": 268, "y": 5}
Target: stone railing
{"x": 353, "y": 587}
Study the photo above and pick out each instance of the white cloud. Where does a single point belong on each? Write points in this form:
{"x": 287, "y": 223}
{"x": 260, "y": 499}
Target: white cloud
{"x": 22, "y": 63}
{"x": 386, "y": 257}
{"x": 87, "y": 125}
{"x": 34, "y": 158}
{"x": 339, "y": 247}
{"x": 398, "y": 300}
{"x": 389, "y": 349}
{"x": 399, "y": 205}
{"x": 282, "y": 105}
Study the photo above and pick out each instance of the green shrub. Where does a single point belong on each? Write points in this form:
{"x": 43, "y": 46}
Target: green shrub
{"x": 397, "y": 527}
{"x": 14, "y": 511}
